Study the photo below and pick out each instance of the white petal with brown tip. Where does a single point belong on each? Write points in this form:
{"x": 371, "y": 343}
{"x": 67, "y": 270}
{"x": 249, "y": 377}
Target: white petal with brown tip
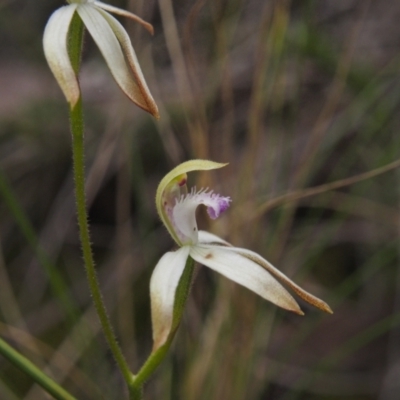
{"x": 308, "y": 297}
{"x": 145, "y": 96}
{"x": 246, "y": 273}
{"x": 97, "y": 23}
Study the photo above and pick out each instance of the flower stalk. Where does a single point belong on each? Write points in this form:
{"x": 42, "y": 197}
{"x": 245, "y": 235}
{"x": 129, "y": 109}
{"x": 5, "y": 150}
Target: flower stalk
{"x": 77, "y": 131}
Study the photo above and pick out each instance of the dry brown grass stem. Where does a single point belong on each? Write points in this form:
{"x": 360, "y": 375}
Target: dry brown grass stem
{"x": 333, "y": 100}
{"x": 197, "y": 135}
{"x": 313, "y": 191}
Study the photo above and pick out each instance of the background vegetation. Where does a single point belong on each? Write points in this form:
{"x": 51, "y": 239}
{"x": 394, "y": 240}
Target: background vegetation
{"x": 293, "y": 95}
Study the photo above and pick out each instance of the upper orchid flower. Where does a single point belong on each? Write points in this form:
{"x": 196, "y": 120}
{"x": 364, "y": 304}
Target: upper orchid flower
{"x": 113, "y": 42}
{"x": 177, "y": 210}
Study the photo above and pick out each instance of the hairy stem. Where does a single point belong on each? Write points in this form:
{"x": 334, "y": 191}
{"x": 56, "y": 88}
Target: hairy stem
{"x": 77, "y": 131}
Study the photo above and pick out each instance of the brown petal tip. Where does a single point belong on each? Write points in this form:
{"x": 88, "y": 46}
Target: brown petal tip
{"x": 318, "y": 303}
{"x": 155, "y": 114}
{"x": 311, "y": 299}
{"x": 326, "y": 308}
{"x": 148, "y": 27}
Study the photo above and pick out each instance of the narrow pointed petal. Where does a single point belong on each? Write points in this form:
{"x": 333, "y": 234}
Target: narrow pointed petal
{"x": 55, "y": 45}
{"x": 245, "y": 272}
{"x": 124, "y": 13}
{"x": 101, "y": 32}
{"x": 133, "y": 62}
{"x": 163, "y": 284}
{"x": 306, "y": 296}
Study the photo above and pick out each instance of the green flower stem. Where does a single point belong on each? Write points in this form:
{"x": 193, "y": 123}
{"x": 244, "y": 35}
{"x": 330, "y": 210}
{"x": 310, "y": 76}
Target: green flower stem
{"x": 77, "y": 131}
{"x": 34, "y": 372}
{"x": 76, "y": 116}
{"x": 150, "y": 365}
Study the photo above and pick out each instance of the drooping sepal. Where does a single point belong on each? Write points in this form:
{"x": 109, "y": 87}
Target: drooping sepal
{"x": 245, "y": 272}
{"x": 282, "y": 278}
{"x": 124, "y": 13}
{"x": 55, "y": 45}
{"x": 115, "y": 45}
{"x": 169, "y": 287}
{"x": 134, "y": 85}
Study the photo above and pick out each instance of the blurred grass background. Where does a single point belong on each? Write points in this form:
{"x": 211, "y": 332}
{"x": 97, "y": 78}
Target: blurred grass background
{"x": 293, "y": 95}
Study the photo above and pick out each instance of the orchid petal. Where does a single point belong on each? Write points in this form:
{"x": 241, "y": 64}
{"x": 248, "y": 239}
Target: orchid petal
{"x": 306, "y": 296}
{"x": 163, "y": 284}
{"x": 245, "y": 272}
{"x": 125, "y": 42}
{"x": 124, "y": 13}
{"x": 55, "y": 44}
{"x": 104, "y": 36}
{"x": 181, "y": 169}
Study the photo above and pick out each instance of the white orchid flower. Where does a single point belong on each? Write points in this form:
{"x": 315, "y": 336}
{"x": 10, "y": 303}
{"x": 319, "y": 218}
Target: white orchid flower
{"x": 113, "y": 42}
{"x": 177, "y": 210}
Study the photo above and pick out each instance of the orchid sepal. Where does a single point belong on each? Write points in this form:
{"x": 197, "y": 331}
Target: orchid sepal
{"x": 127, "y": 14}
{"x": 55, "y": 45}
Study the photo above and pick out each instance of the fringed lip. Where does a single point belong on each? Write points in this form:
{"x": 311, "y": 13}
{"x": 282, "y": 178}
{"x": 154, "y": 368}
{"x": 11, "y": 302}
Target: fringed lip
{"x": 184, "y": 212}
